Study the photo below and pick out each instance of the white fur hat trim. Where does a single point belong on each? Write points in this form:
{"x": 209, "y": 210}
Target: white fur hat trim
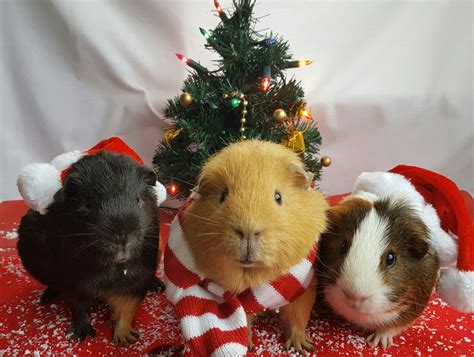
{"x": 457, "y": 288}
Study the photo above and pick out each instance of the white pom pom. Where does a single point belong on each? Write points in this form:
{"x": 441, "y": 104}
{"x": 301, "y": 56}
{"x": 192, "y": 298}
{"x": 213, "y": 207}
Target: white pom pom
{"x": 37, "y": 184}
{"x": 160, "y": 192}
{"x": 457, "y": 288}
{"x": 67, "y": 159}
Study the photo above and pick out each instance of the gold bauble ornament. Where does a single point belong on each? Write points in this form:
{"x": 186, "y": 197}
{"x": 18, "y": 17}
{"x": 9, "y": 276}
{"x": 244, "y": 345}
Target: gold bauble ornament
{"x": 326, "y": 161}
{"x": 185, "y": 99}
{"x": 280, "y": 115}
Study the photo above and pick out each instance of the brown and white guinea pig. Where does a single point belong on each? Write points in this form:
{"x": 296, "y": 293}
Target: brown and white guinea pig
{"x": 375, "y": 265}
{"x": 99, "y": 240}
{"x": 254, "y": 219}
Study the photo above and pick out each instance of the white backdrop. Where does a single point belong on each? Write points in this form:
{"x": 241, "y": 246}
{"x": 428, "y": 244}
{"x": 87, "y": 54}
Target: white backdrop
{"x": 391, "y": 82}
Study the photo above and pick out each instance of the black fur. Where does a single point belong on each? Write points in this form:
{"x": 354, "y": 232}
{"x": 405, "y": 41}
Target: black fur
{"x": 104, "y": 221}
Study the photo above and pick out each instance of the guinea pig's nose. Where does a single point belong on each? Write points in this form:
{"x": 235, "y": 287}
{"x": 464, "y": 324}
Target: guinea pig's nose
{"x": 239, "y": 233}
{"x": 248, "y": 234}
{"x": 355, "y": 298}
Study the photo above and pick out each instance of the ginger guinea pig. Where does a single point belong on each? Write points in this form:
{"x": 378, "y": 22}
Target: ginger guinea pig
{"x": 253, "y": 219}
{"x": 375, "y": 265}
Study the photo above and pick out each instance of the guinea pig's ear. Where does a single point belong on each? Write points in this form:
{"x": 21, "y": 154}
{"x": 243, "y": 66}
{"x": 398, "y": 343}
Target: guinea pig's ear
{"x": 59, "y": 196}
{"x": 70, "y": 187}
{"x": 301, "y": 177}
{"x": 417, "y": 237}
{"x": 205, "y": 184}
{"x": 147, "y": 175}
{"x": 418, "y": 247}
{"x": 334, "y": 215}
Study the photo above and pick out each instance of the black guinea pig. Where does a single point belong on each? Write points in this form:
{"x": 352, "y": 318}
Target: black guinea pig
{"x": 99, "y": 241}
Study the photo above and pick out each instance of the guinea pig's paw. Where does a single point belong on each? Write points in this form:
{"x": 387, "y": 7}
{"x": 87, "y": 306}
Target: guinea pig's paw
{"x": 250, "y": 340}
{"x": 80, "y": 331}
{"x": 157, "y": 285}
{"x": 299, "y": 340}
{"x": 251, "y": 346}
{"x": 48, "y": 295}
{"x": 384, "y": 338}
{"x": 125, "y": 336}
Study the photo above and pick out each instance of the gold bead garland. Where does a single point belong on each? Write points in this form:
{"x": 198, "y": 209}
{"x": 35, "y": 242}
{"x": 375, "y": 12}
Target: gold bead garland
{"x": 238, "y": 99}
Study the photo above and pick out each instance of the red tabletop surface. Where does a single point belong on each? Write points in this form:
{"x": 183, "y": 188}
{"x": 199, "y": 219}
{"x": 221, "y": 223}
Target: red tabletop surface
{"x": 29, "y": 328}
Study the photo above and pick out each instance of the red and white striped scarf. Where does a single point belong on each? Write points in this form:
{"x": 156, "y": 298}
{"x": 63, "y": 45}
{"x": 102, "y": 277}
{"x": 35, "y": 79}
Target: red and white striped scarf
{"x": 213, "y": 321}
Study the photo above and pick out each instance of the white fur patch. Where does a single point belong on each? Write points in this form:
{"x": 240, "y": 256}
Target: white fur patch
{"x": 360, "y": 276}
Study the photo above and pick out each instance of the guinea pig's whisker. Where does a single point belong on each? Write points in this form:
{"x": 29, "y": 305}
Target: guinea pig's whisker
{"x": 407, "y": 300}
{"x": 208, "y": 200}
{"x": 327, "y": 266}
{"x": 183, "y": 181}
{"x": 322, "y": 287}
{"x": 208, "y": 234}
{"x": 334, "y": 233}
{"x": 85, "y": 247}
{"x": 89, "y": 224}
{"x": 78, "y": 234}
{"x": 325, "y": 276}
{"x": 203, "y": 218}
{"x": 145, "y": 245}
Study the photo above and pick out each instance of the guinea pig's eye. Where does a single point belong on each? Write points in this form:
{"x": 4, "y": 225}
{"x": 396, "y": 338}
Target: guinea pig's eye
{"x": 82, "y": 210}
{"x": 139, "y": 201}
{"x": 224, "y": 195}
{"x": 278, "y": 198}
{"x": 390, "y": 260}
{"x": 344, "y": 247}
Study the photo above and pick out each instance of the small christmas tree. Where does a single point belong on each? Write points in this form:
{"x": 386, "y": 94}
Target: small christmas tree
{"x": 246, "y": 97}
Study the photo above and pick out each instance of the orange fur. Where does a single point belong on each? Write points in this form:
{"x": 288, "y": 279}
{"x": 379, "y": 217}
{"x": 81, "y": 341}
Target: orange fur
{"x": 124, "y": 308}
{"x": 252, "y": 171}
{"x": 295, "y": 317}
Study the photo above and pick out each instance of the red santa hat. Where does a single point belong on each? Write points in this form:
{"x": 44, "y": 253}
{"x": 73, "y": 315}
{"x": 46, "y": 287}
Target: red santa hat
{"x": 441, "y": 206}
{"x": 39, "y": 182}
